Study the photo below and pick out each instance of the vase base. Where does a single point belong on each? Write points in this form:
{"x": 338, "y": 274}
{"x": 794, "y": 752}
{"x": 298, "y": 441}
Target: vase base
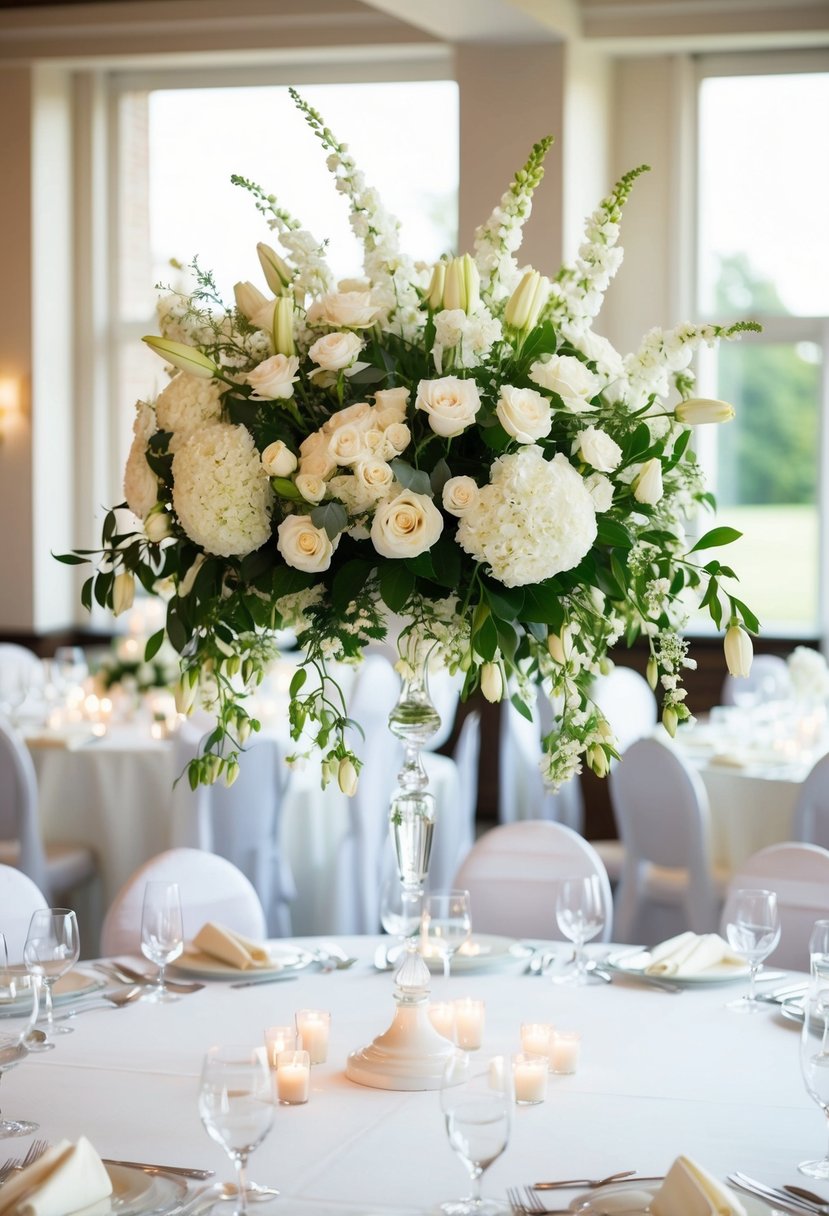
{"x": 410, "y": 1055}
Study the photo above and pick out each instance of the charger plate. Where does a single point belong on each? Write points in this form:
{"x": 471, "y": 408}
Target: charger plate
{"x": 634, "y": 1199}
{"x": 483, "y": 952}
{"x": 137, "y": 1193}
{"x": 283, "y": 958}
{"x": 634, "y": 962}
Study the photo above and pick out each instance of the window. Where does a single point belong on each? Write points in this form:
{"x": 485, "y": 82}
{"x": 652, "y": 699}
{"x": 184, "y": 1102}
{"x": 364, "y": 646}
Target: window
{"x": 763, "y": 253}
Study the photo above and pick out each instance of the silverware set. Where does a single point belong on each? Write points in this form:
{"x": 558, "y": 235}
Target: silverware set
{"x": 793, "y": 1199}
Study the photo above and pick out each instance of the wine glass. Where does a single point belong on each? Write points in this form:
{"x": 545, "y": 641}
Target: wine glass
{"x": 580, "y": 916}
{"x": 814, "y": 1062}
{"x": 477, "y": 1104}
{"x": 819, "y": 949}
{"x": 15, "y": 682}
{"x": 52, "y": 948}
{"x": 162, "y": 933}
{"x": 69, "y": 668}
{"x": 401, "y": 910}
{"x": 236, "y": 1108}
{"x": 19, "y": 1007}
{"x": 446, "y": 924}
{"x": 753, "y": 930}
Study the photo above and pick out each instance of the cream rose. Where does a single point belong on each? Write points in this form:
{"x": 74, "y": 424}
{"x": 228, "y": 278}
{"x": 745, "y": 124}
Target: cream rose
{"x": 395, "y": 400}
{"x": 374, "y": 475}
{"x": 346, "y": 445}
{"x": 597, "y": 449}
{"x": 450, "y": 403}
{"x": 304, "y": 546}
{"x": 274, "y": 378}
{"x": 278, "y": 460}
{"x": 335, "y": 351}
{"x": 310, "y": 487}
{"x": 314, "y": 457}
{"x": 460, "y": 494}
{"x": 406, "y": 525}
{"x": 398, "y": 436}
{"x": 524, "y": 413}
{"x": 359, "y": 414}
{"x": 569, "y": 378}
{"x": 344, "y": 309}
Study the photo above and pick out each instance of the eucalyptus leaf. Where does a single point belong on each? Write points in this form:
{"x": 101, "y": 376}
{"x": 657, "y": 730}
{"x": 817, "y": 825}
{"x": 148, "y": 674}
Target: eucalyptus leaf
{"x": 332, "y": 516}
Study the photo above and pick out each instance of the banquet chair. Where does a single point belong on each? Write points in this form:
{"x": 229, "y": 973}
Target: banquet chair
{"x": 522, "y": 793}
{"x": 768, "y": 680}
{"x": 668, "y": 883}
{"x": 211, "y": 887}
{"x": 19, "y": 667}
{"x": 241, "y": 823}
{"x": 811, "y": 812}
{"x": 19, "y": 898}
{"x": 799, "y": 874}
{"x": 455, "y": 826}
{"x": 627, "y": 701}
{"x": 512, "y": 873}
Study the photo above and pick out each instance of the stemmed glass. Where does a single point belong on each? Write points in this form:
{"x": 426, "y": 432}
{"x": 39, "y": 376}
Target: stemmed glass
{"x": 446, "y": 924}
{"x": 162, "y": 933}
{"x": 814, "y": 1062}
{"x": 52, "y": 948}
{"x": 69, "y": 668}
{"x": 753, "y": 931}
{"x": 819, "y": 949}
{"x": 236, "y": 1108}
{"x": 580, "y": 916}
{"x": 401, "y": 910}
{"x": 477, "y": 1103}
{"x": 19, "y": 1008}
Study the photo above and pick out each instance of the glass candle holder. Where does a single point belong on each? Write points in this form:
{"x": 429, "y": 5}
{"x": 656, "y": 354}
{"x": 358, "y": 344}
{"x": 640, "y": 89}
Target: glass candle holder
{"x": 469, "y": 1023}
{"x": 529, "y": 1075}
{"x": 537, "y": 1039}
{"x": 442, "y": 1017}
{"x": 278, "y": 1039}
{"x": 565, "y": 1051}
{"x": 313, "y": 1027}
{"x": 293, "y": 1077}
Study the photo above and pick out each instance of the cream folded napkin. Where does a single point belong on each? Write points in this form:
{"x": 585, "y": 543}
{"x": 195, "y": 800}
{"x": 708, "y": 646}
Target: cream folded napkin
{"x": 689, "y": 1190}
{"x": 691, "y": 954}
{"x": 65, "y": 1179}
{"x": 231, "y": 948}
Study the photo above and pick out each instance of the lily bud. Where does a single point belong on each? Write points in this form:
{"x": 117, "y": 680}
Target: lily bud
{"x": 556, "y": 643}
{"x": 434, "y": 299}
{"x": 597, "y": 759}
{"x": 123, "y": 592}
{"x": 702, "y": 409}
{"x": 647, "y": 486}
{"x": 652, "y": 672}
{"x": 185, "y": 696}
{"x": 739, "y": 651}
{"x": 347, "y": 777}
{"x": 462, "y": 288}
{"x": 243, "y": 729}
{"x": 669, "y": 720}
{"x": 278, "y": 274}
{"x": 157, "y": 525}
{"x": 283, "y": 327}
{"x": 249, "y": 299}
{"x": 231, "y": 772}
{"x": 526, "y": 302}
{"x": 185, "y": 358}
{"x": 492, "y": 681}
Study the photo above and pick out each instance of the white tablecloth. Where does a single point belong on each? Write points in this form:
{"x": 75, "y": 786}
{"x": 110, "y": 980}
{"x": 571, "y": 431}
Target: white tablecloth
{"x": 660, "y": 1075}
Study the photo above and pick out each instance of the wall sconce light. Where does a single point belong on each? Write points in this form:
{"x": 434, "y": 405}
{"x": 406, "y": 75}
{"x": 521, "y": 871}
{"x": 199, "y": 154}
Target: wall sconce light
{"x": 10, "y": 401}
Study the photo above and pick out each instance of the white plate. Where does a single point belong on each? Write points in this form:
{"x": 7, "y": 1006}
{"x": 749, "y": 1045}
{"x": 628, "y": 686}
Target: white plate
{"x": 483, "y": 952}
{"x": 634, "y": 1199}
{"x": 283, "y": 958}
{"x": 137, "y": 1193}
{"x": 67, "y": 989}
{"x": 634, "y": 962}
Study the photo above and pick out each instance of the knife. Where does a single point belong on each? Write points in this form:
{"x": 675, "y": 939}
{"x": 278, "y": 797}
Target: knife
{"x": 182, "y": 1171}
{"x": 280, "y": 978}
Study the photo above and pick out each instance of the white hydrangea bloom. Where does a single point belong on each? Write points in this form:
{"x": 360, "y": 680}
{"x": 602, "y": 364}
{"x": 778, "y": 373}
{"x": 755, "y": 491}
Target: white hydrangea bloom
{"x": 221, "y": 494}
{"x": 532, "y": 521}
{"x": 186, "y": 405}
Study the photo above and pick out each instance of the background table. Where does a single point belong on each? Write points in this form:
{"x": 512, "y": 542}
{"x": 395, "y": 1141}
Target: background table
{"x": 660, "y": 1075}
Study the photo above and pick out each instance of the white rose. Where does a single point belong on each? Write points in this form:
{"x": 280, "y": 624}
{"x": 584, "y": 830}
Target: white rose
{"x": 647, "y": 485}
{"x": 336, "y": 350}
{"x": 377, "y": 444}
{"x": 600, "y": 489}
{"x": 317, "y": 464}
{"x": 344, "y": 309}
{"x": 460, "y": 494}
{"x": 374, "y": 475}
{"x": 393, "y": 399}
{"x": 359, "y": 414}
{"x": 567, "y": 376}
{"x": 274, "y": 378}
{"x": 346, "y": 445}
{"x": 398, "y": 436}
{"x": 310, "y": 487}
{"x": 303, "y": 546}
{"x": 278, "y": 460}
{"x": 601, "y": 352}
{"x": 406, "y": 525}
{"x": 597, "y": 449}
{"x": 450, "y": 403}
{"x": 524, "y": 413}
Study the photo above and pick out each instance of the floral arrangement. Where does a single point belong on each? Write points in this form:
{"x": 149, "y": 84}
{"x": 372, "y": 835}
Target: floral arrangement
{"x": 450, "y": 443}
{"x": 126, "y": 667}
{"x": 808, "y": 674}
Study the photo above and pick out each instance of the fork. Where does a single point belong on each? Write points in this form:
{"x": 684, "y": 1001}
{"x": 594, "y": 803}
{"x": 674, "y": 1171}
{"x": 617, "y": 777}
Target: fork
{"x": 523, "y": 1201}
{"x": 14, "y": 1164}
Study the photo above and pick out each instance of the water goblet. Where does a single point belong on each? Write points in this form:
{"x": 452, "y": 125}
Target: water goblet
{"x": 162, "y": 933}
{"x": 477, "y": 1104}
{"x": 753, "y": 930}
{"x": 236, "y": 1108}
{"x": 446, "y": 924}
{"x": 19, "y": 1009}
{"x": 401, "y": 910}
{"x": 52, "y": 948}
{"x": 579, "y": 916}
{"x": 814, "y": 1062}
{"x": 819, "y": 949}
{"x": 69, "y": 668}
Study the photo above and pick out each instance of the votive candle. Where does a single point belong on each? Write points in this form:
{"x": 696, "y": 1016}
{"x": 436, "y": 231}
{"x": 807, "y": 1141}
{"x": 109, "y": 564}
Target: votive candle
{"x": 469, "y": 1023}
{"x": 293, "y": 1077}
{"x": 278, "y": 1039}
{"x": 442, "y": 1017}
{"x": 313, "y": 1026}
{"x": 529, "y": 1075}
{"x": 565, "y": 1051}
{"x": 537, "y": 1039}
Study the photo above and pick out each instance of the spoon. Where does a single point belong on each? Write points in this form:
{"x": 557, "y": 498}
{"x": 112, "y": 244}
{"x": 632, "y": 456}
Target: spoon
{"x": 802, "y": 1193}
{"x": 35, "y": 1037}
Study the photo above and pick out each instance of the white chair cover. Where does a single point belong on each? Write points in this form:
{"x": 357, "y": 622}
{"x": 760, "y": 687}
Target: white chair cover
{"x": 811, "y": 812}
{"x": 455, "y": 824}
{"x": 20, "y": 672}
{"x": 768, "y": 680}
{"x": 241, "y": 823}
{"x": 212, "y": 888}
{"x": 626, "y": 700}
{"x": 661, "y": 808}
{"x": 19, "y": 898}
{"x": 799, "y": 873}
{"x": 522, "y": 793}
{"x": 512, "y": 873}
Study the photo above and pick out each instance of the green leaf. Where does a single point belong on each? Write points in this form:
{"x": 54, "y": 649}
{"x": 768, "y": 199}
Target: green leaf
{"x": 415, "y": 480}
{"x": 439, "y": 476}
{"x": 103, "y": 587}
{"x": 349, "y": 581}
{"x": 283, "y": 487}
{"x": 610, "y": 532}
{"x": 396, "y": 585}
{"x": 176, "y": 631}
{"x": 71, "y": 559}
{"x": 86, "y": 594}
{"x": 496, "y": 438}
{"x": 619, "y": 572}
{"x": 505, "y": 602}
{"x": 523, "y": 709}
{"x": 422, "y": 565}
{"x": 485, "y": 640}
{"x": 717, "y": 536}
{"x": 368, "y": 375}
{"x": 749, "y": 619}
{"x": 543, "y": 606}
{"x": 153, "y": 645}
{"x": 256, "y": 564}
{"x": 332, "y": 516}
{"x": 541, "y": 341}
{"x": 446, "y": 561}
{"x": 638, "y": 443}
{"x": 297, "y": 680}
{"x": 287, "y": 580}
